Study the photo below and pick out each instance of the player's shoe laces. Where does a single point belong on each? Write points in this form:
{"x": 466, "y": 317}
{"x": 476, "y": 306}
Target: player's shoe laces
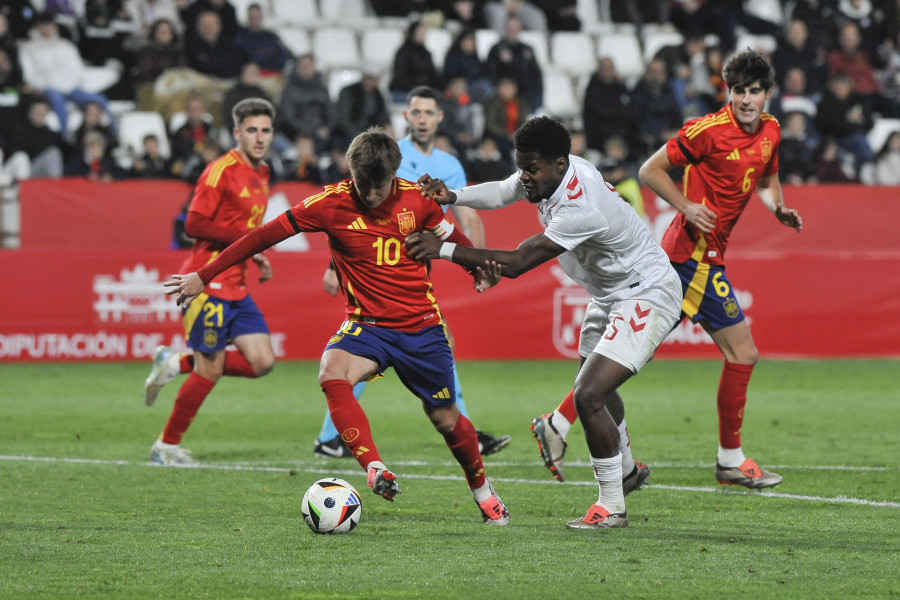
{"x": 636, "y": 479}
{"x": 748, "y": 475}
{"x": 165, "y": 368}
{"x": 493, "y": 511}
{"x": 550, "y": 443}
{"x": 333, "y": 448}
{"x": 170, "y": 455}
{"x": 488, "y": 444}
{"x": 598, "y": 517}
{"x": 384, "y": 483}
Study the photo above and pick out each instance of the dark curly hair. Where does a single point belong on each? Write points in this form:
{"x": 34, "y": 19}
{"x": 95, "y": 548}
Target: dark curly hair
{"x": 749, "y": 66}
{"x": 545, "y": 136}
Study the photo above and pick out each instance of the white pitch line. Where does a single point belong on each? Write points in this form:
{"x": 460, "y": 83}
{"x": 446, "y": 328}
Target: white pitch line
{"x": 548, "y": 481}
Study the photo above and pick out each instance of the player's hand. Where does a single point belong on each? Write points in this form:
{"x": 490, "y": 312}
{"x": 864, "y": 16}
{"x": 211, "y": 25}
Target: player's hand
{"x": 187, "y": 287}
{"x": 422, "y": 245}
{"x": 700, "y": 216}
{"x": 789, "y": 217}
{"x": 330, "y": 282}
{"x": 436, "y": 189}
{"x": 265, "y": 267}
{"x": 487, "y": 276}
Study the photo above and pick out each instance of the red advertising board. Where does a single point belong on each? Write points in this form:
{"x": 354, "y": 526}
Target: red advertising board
{"x": 87, "y": 281}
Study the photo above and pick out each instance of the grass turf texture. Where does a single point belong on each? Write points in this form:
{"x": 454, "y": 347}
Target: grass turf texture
{"x": 94, "y": 520}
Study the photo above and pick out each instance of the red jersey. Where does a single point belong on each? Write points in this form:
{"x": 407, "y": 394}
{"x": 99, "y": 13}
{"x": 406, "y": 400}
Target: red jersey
{"x": 234, "y": 195}
{"x": 380, "y": 284}
{"x": 724, "y": 164}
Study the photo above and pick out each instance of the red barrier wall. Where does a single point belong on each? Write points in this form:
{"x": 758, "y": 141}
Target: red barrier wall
{"x": 87, "y": 282}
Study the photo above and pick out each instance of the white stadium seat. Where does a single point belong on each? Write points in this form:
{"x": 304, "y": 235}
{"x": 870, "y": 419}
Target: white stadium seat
{"x": 559, "y": 95}
{"x": 133, "y": 126}
{"x": 335, "y": 48}
{"x": 438, "y": 42}
{"x": 378, "y": 46}
{"x": 296, "y": 39}
{"x": 301, "y": 13}
{"x": 625, "y": 51}
{"x": 573, "y": 52}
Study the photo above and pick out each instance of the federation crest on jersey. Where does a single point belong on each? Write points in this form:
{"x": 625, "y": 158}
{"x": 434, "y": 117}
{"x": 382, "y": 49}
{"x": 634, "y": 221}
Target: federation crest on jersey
{"x": 407, "y": 222}
{"x": 765, "y": 148}
{"x": 569, "y": 303}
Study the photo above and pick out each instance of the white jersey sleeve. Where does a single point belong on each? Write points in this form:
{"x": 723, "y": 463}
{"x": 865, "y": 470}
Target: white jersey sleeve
{"x": 491, "y": 194}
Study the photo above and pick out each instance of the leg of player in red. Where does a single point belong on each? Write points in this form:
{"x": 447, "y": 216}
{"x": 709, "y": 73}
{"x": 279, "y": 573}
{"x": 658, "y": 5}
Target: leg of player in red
{"x": 732, "y": 467}
{"x": 208, "y": 369}
{"x": 168, "y": 364}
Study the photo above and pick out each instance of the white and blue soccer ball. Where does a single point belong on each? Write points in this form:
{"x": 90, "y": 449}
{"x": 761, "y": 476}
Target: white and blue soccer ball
{"x": 331, "y": 505}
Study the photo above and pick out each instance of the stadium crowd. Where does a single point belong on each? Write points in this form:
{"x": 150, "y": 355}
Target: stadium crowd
{"x": 71, "y": 71}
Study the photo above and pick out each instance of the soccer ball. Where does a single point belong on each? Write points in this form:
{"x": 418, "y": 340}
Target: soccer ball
{"x": 331, "y": 505}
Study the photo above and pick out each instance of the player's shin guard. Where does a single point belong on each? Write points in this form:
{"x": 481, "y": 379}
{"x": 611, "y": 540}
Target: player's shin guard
{"x": 463, "y": 443}
{"x": 190, "y": 397}
{"x": 731, "y": 400}
{"x": 350, "y": 421}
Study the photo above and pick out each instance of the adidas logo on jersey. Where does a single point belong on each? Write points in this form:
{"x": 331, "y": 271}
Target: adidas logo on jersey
{"x": 357, "y": 224}
{"x": 735, "y": 155}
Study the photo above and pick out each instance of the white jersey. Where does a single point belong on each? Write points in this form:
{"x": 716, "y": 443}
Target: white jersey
{"x": 610, "y": 251}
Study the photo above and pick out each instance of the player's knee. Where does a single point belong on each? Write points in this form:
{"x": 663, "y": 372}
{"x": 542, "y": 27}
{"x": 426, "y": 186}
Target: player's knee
{"x": 263, "y": 367}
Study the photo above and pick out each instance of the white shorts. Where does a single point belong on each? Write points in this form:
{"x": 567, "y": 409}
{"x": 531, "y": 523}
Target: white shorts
{"x": 629, "y": 331}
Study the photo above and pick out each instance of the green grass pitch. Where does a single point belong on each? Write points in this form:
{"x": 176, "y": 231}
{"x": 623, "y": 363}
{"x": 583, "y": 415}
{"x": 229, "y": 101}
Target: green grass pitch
{"x": 83, "y": 514}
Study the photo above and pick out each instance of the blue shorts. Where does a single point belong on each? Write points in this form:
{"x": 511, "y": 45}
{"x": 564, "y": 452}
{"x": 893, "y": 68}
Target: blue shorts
{"x": 708, "y": 295}
{"x": 211, "y": 323}
{"x": 422, "y": 359}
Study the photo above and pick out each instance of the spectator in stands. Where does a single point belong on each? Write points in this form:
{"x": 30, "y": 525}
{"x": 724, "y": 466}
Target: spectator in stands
{"x": 462, "y": 61}
{"x": 261, "y": 45}
{"x": 304, "y": 166}
{"x": 193, "y": 136}
{"x": 43, "y": 146}
{"x": 637, "y": 12}
{"x": 829, "y": 164}
{"x": 842, "y": 116}
{"x": 458, "y": 124}
{"x": 14, "y": 165}
{"x": 19, "y": 14}
{"x": 65, "y": 15}
{"x": 336, "y": 167}
{"x": 850, "y": 58}
{"x": 562, "y": 15}
{"x": 792, "y": 98}
{"x": 606, "y": 108}
{"x": 485, "y": 163}
{"x": 162, "y": 51}
{"x": 360, "y": 105}
{"x": 191, "y": 11}
{"x": 193, "y": 167}
{"x": 658, "y": 117}
{"x": 702, "y": 17}
{"x": 468, "y": 13}
{"x": 514, "y": 59}
{"x": 498, "y": 12}
{"x": 504, "y": 113}
{"x": 689, "y": 72}
{"x": 52, "y": 66}
{"x": 413, "y": 64}
{"x": 306, "y": 108}
{"x": 887, "y": 161}
{"x": 143, "y": 15}
{"x": 151, "y": 164}
{"x": 797, "y": 150}
{"x": 94, "y": 120}
{"x": 210, "y": 51}
{"x": 869, "y": 18}
{"x": 93, "y": 160}
{"x": 8, "y": 40}
{"x": 248, "y": 86}
{"x": 798, "y": 50}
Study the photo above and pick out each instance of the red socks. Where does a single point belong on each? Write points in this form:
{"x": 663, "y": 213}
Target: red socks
{"x": 237, "y": 366}
{"x": 350, "y": 421}
{"x": 463, "y": 443}
{"x": 567, "y": 407}
{"x": 730, "y": 400}
{"x": 190, "y": 397}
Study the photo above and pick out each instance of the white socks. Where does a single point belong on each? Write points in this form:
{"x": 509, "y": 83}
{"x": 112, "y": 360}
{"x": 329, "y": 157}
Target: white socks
{"x": 483, "y": 493}
{"x": 730, "y": 458}
{"x": 608, "y": 473}
{"x": 561, "y": 424}
{"x": 625, "y": 449}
